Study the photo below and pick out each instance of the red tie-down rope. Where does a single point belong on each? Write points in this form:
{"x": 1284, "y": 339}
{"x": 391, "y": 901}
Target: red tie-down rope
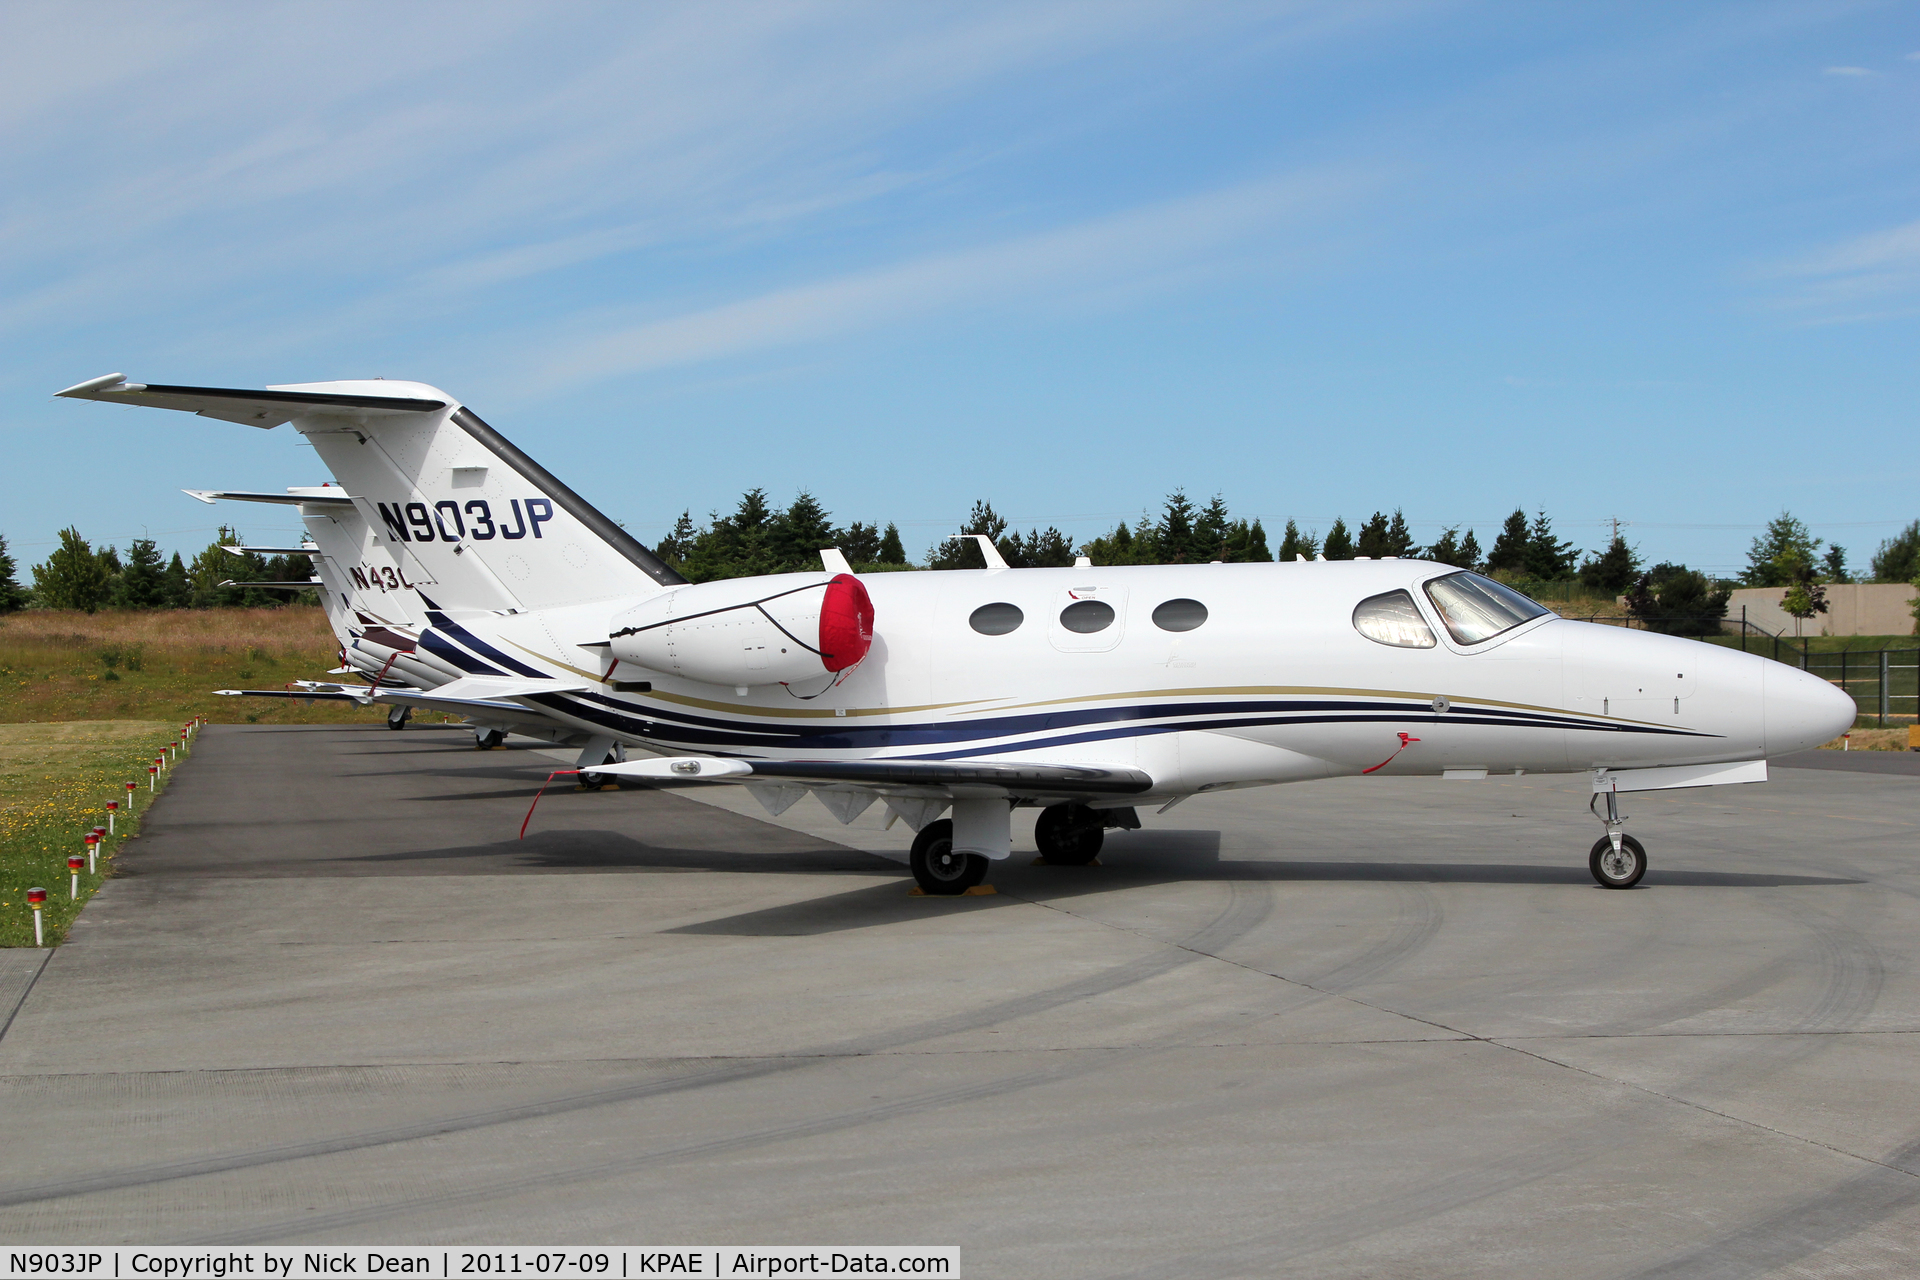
{"x": 536, "y": 798}
{"x": 1405, "y": 742}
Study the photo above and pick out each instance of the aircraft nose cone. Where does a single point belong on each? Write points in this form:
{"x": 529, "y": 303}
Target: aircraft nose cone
{"x": 1802, "y": 711}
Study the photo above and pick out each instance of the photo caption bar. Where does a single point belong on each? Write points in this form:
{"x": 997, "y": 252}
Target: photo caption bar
{"x": 625, "y": 1262}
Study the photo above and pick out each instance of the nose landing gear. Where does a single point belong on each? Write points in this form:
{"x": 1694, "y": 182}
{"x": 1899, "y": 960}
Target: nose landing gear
{"x": 1617, "y": 860}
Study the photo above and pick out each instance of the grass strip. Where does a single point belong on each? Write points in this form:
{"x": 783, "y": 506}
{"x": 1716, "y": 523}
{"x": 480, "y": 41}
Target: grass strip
{"x": 55, "y": 781}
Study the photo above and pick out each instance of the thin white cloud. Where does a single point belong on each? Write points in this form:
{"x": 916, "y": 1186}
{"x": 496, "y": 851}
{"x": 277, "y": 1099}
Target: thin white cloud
{"x": 1087, "y": 258}
{"x": 1847, "y": 71}
{"x": 1865, "y": 277}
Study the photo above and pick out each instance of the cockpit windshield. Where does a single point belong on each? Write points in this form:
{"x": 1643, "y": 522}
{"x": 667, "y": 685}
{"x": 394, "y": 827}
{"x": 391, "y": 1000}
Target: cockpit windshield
{"x": 1476, "y": 608}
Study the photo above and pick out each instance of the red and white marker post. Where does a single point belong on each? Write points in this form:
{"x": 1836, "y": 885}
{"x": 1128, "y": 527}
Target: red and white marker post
{"x": 113, "y": 807}
{"x": 93, "y": 850}
{"x": 74, "y": 864}
{"x": 130, "y": 790}
{"x": 37, "y": 898}
{"x": 153, "y": 772}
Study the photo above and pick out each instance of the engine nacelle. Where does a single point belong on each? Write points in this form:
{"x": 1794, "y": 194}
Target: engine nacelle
{"x": 782, "y": 629}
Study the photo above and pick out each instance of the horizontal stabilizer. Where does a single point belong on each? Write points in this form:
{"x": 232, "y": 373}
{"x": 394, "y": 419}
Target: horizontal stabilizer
{"x": 252, "y": 408}
{"x": 1014, "y": 778}
{"x": 326, "y": 495}
{"x": 302, "y": 695}
{"x": 308, "y": 585}
{"x": 274, "y": 551}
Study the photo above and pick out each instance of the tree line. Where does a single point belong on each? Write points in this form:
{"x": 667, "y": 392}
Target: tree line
{"x": 760, "y": 538}
{"x": 79, "y": 576}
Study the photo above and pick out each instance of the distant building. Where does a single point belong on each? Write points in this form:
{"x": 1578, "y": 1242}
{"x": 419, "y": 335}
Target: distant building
{"x": 1858, "y": 609}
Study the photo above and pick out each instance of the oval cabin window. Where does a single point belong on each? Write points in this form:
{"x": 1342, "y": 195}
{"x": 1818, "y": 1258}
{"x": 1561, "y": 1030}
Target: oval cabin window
{"x": 1393, "y": 619}
{"x": 996, "y": 619}
{"x": 1084, "y": 617}
{"x": 1179, "y": 615}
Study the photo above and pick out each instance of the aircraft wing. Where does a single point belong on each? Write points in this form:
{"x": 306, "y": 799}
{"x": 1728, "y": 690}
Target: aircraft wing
{"x": 1014, "y": 778}
{"x": 253, "y": 408}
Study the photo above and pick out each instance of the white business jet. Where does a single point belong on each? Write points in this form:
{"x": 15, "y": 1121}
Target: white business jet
{"x": 1087, "y": 692}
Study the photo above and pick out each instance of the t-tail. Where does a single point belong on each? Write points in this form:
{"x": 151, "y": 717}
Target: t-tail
{"x": 459, "y": 513}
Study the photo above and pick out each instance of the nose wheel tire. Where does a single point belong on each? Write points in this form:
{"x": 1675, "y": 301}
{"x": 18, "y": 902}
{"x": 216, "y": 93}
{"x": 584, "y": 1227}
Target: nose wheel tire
{"x": 397, "y": 717}
{"x": 1620, "y": 870}
{"x": 487, "y": 740}
{"x": 1068, "y": 835}
{"x": 937, "y": 868}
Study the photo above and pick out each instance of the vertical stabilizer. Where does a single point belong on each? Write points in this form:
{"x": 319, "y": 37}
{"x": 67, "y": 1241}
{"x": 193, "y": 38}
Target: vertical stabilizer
{"x": 457, "y": 505}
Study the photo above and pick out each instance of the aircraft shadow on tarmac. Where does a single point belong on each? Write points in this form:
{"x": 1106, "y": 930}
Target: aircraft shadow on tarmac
{"x": 1170, "y": 857}
{"x": 577, "y": 849}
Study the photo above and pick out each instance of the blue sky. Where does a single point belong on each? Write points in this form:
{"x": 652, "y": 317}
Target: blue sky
{"x": 1655, "y": 262}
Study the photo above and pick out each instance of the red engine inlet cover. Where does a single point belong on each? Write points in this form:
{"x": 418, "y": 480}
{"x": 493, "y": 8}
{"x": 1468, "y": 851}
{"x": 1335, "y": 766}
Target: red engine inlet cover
{"x": 846, "y": 623}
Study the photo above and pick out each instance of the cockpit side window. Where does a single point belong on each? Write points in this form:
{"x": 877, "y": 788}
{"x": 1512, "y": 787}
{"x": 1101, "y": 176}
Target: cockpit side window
{"x": 1476, "y": 608}
{"x": 1393, "y": 619}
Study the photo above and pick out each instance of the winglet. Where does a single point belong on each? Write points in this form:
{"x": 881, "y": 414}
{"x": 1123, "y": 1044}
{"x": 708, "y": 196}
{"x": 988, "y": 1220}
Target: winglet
{"x": 833, "y": 561}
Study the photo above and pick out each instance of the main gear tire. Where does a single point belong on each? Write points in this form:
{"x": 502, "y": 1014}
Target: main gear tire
{"x": 937, "y": 868}
{"x": 1620, "y": 870}
{"x": 1069, "y": 835}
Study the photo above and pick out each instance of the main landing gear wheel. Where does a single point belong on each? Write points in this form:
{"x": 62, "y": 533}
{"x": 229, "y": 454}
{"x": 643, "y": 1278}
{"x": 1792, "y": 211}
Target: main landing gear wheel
{"x": 1620, "y": 870}
{"x": 1069, "y": 835}
{"x": 488, "y": 739}
{"x": 938, "y": 868}
{"x": 397, "y": 717}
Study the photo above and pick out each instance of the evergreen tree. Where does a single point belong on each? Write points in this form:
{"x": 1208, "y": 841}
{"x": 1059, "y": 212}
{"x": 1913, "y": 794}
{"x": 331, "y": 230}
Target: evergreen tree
{"x": 1678, "y": 600}
{"x": 860, "y": 543}
{"x": 1613, "y": 571}
{"x": 216, "y": 565}
{"x": 1779, "y": 556}
{"x": 964, "y": 552}
{"x": 796, "y": 535}
{"x": 1452, "y": 549}
{"x": 1898, "y": 559}
{"x": 1548, "y": 559}
{"x": 1123, "y": 545}
{"x": 1175, "y": 534}
{"x": 1372, "y": 542}
{"x": 290, "y": 568}
{"x": 1399, "y": 539}
{"x": 734, "y": 546}
{"x": 1834, "y": 567}
{"x": 142, "y": 583}
{"x": 13, "y": 596}
{"x": 1212, "y": 529}
{"x": 1048, "y": 550}
{"x": 1510, "y": 548}
{"x": 891, "y": 552}
{"x": 1339, "y": 543}
{"x": 1290, "y": 544}
{"x": 73, "y": 577}
{"x": 176, "y": 586}
{"x": 1247, "y": 543}
{"x": 678, "y": 544}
